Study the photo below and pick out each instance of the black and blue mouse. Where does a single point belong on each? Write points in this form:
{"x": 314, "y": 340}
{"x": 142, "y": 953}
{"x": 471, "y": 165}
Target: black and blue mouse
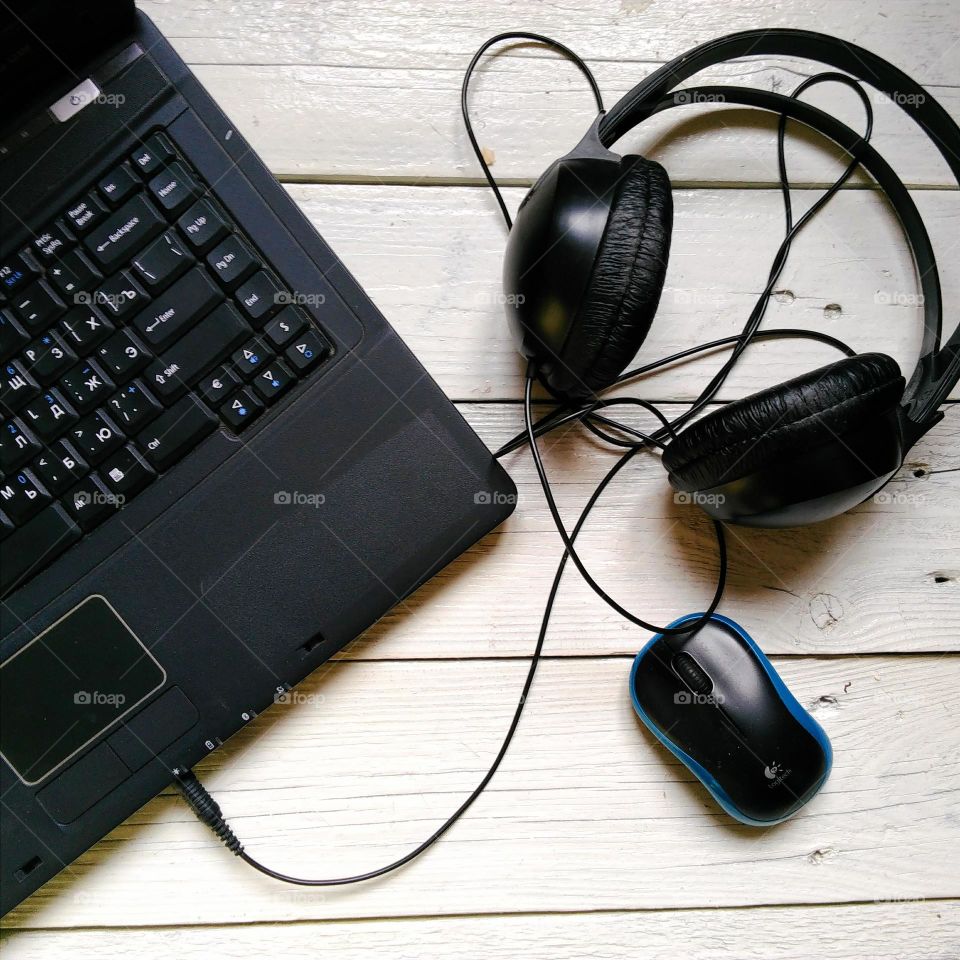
{"x": 714, "y": 700}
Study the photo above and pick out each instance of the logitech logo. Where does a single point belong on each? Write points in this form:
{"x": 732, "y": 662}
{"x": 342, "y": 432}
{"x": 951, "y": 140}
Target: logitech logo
{"x": 776, "y": 774}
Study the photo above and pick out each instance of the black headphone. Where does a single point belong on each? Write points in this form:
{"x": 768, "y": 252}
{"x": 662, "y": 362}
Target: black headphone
{"x": 585, "y": 266}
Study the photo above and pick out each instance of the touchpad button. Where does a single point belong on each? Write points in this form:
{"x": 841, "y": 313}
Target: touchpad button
{"x": 68, "y": 685}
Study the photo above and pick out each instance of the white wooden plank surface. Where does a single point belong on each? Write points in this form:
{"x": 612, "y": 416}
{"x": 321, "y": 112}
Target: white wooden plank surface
{"x": 918, "y": 35}
{"x": 587, "y": 813}
{"x": 383, "y": 124}
{"x": 920, "y": 930}
{"x": 331, "y": 98}
{"x": 431, "y": 260}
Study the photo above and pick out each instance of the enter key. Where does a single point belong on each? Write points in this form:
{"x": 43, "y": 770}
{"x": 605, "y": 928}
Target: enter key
{"x": 174, "y": 312}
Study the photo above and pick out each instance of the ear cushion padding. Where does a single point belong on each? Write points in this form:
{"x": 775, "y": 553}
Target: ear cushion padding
{"x": 624, "y": 288}
{"x": 790, "y": 418}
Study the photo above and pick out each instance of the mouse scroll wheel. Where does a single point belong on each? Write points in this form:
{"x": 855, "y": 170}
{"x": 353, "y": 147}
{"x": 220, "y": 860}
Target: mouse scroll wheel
{"x": 691, "y": 673}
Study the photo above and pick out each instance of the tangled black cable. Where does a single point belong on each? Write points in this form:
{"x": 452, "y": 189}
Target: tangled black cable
{"x": 610, "y": 430}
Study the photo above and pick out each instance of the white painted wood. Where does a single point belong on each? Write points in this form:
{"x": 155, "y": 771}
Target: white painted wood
{"x": 881, "y": 931}
{"x": 588, "y": 812}
{"x": 918, "y": 35}
{"x": 322, "y": 92}
{"x": 885, "y": 577}
{"x": 431, "y": 259}
{"x": 380, "y": 123}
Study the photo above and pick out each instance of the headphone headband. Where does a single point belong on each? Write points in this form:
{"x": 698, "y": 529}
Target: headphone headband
{"x": 937, "y": 372}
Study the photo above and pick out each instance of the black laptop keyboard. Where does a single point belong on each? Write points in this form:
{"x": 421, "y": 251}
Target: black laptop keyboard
{"x": 131, "y": 327}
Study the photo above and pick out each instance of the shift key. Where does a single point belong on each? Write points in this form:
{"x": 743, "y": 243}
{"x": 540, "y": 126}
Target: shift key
{"x": 124, "y": 232}
{"x": 175, "y": 433}
{"x": 175, "y": 370}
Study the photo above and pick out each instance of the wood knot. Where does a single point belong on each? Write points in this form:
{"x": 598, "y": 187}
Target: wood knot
{"x": 826, "y": 610}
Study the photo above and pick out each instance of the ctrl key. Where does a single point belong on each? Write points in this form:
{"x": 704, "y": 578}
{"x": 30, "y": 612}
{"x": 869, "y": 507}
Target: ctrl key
{"x": 175, "y": 432}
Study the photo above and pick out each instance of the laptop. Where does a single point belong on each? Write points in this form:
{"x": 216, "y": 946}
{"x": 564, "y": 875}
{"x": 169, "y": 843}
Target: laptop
{"x": 219, "y": 462}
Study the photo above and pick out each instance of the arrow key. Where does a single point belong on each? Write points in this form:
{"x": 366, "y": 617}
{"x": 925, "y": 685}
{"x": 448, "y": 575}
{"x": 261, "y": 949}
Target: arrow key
{"x": 251, "y": 357}
{"x": 241, "y": 409}
{"x": 306, "y": 351}
{"x": 273, "y": 381}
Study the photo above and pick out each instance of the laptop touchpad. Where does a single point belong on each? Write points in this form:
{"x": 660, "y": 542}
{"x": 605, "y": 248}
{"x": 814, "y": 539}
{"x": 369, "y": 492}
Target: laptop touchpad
{"x": 71, "y": 682}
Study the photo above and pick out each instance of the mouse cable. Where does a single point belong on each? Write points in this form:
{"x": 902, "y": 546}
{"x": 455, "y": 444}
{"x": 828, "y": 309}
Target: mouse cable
{"x": 199, "y": 799}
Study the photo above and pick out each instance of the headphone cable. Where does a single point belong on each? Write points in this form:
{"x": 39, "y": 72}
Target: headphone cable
{"x": 465, "y": 110}
{"x": 199, "y": 799}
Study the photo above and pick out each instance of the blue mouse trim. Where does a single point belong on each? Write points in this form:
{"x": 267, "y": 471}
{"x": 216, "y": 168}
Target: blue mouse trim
{"x": 789, "y": 700}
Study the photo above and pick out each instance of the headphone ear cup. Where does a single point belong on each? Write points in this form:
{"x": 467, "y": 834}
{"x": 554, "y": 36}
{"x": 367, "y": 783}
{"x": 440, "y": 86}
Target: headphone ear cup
{"x": 625, "y": 285}
{"x": 794, "y": 426}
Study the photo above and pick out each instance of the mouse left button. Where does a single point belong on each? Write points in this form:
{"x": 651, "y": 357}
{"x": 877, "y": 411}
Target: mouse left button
{"x": 83, "y": 783}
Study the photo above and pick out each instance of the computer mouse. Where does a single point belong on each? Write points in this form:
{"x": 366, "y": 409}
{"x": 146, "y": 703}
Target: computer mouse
{"x": 715, "y": 702}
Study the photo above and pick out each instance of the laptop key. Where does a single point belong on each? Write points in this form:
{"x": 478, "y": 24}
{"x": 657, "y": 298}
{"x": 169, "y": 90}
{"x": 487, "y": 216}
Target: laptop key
{"x": 123, "y": 355}
{"x": 17, "y": 387}
{"x": 37, "y": 306}
{"x": 175, "y": 432}
{"x": 232, "y": 261}
{"x": 52, "y": 243}
{"x": 22, "y": 496}
{"x": 35, "y": 545}
{"x": 285, "y": 326}
{"x": 153, "y": 154}
{"x": 217, "y": 386}
{"x": 242, "y": 408}
{"x": 178, "y": 309}
{"x": 90, "y": 502}
{"x": 16, "y": 272}
{"x": 306, "y": 351}
{"x": 67, "y": 458}
{"x": 120, "y": 296}
{"x": 273, "y": 381}
{"x": 74, "y": 275}
{"x": 124, "y": 232}
{"x": 84, "y": 327}
{"x": 133, "y": 407}
{"x": 251, "y": 357}
{"x": 203, "y": 225}
{"x": 95, "y": 437}
{"x": 12, "y": 335}
{"x": 260, "y": 297}
{"x": 174, "y": 188}
{"x": 119, "y": 184}
{"x": 124, "y": 474}
{"x": 47, "y": 358}
{"x": 85, "y": 214}
{"x": 17, "y": 446}
{"x": 86, "y": 385}
{"x": 192, "y": 355}
{"x": 54, "y": 474}
{"x": 163, "y": 261}
{"x": 49, "y": 415}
